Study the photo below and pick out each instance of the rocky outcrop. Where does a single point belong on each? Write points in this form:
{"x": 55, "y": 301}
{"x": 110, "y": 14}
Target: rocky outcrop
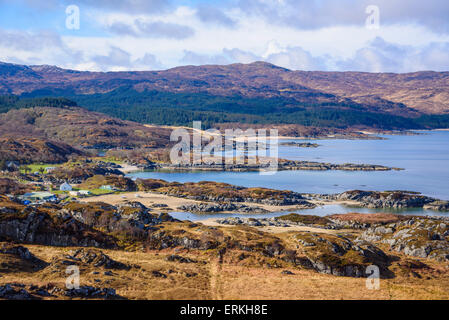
{"x": 33, "y": 225}
{"x": 299, "y": 144}
{"x": 177, "y": 258}
{"x": 387, "y": 199}
{"x": 113, "y": 218}
{"x": 221, "y": 207}
{"x": 419, "y": 237}
{"x": 286, "y": 200}
{"x": 93, "y": 257}
{"x": 89, "y": 292}
{"x": 15, "y": 258}
{"x": 262, "y": 222}
{"x": 320, "y": 166}
{"x": 12, "y": 291}
{"x": 437, "y": 206}
{"x": 18, "y": 251}
{"x": 281, "y": 165}
{"x": 162, "y": 240}
{"x": 218, "y": 192}
{"x": 282, "y": 221}
{"x": 18, "y": 291}
{"x": 339, "y": 256}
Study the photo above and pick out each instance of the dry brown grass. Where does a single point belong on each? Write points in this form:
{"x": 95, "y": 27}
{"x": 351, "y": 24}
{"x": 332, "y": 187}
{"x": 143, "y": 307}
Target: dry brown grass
{"x": 233, "y": 280}
{"x": 368, "y": 217}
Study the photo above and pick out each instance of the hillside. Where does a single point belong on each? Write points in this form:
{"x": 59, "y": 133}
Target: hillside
{"x": 80, "y": 128}
{"x": 52, "y": 130}
{"x": 256, "y": 93}
{"x": 257, "y": 79}
{"x": 426, "y": 91}
{"x": 29, "y": 149}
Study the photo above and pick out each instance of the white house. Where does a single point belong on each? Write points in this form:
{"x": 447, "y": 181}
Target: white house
{"x": 65, "y": 187}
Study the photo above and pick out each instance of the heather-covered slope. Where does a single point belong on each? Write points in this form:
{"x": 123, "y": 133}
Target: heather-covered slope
{"x": 29, "y": 149}
{"x": 78, "y": 127}
{"x": 426, "y": 91}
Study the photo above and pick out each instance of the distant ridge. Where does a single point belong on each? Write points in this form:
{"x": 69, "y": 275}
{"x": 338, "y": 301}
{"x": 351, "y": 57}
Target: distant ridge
{"x": 405, "y": 94}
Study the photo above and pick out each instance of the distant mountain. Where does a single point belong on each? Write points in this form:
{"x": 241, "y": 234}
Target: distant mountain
{"x": 400, "y": 94}
{"x": 256, "y": 93}
{"x": 426, "y": 91}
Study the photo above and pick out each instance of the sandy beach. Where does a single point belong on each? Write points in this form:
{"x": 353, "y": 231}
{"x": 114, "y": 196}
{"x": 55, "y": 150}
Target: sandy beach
{"x": 150, "y": 198}
{"x": 275, "y": 229}
{"x": 127, "y": 168}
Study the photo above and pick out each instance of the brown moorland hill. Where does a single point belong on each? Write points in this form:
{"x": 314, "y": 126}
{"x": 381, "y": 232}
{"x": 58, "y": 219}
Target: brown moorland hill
{"x": 29, "y": 149}
{"x": 402, "y": 94}
{"x": 426, "y": 91}
{"x": 76, "y": 127}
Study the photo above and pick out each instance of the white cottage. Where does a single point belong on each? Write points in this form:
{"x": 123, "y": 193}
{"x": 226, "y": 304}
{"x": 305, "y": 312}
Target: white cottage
{"x": 65, "y": 187}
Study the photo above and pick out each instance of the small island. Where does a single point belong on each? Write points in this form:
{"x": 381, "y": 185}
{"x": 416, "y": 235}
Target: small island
{"x": 299, "y": 144}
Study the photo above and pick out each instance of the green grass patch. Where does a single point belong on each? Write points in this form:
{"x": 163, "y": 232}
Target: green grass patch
{"x": 36, "y": 167}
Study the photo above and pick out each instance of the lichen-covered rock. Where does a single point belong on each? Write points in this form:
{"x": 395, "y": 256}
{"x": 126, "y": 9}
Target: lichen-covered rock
{"x": 206, "y": 207}
{"x": 111, "y": 218}
{"x": 340, "y": 256}
{"x": 386, "y": 199}
{"x": 419, "y": 237}
{"x": 44, "y": 225}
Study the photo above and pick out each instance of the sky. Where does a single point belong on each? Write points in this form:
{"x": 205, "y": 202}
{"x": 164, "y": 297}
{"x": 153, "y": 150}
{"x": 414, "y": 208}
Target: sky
{"x": 327, "y": 35}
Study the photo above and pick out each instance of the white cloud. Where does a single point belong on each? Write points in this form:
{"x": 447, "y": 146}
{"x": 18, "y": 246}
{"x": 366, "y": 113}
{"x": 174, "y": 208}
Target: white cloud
{"x": 292, "y": 34}
{"x": 382, "y": 56}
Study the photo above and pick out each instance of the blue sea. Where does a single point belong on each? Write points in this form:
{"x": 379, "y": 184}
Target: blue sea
{"x": 425, "y": 158}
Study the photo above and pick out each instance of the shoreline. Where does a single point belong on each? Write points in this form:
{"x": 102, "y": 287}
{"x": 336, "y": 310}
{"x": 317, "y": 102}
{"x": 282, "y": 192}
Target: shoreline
{"x": 150, "y": 198}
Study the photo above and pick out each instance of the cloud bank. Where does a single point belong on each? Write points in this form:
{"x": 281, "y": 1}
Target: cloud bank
{"x": 296, "y": 34}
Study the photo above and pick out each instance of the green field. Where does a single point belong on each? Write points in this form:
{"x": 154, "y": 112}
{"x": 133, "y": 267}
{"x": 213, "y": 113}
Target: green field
{"x": 35, "y": 167}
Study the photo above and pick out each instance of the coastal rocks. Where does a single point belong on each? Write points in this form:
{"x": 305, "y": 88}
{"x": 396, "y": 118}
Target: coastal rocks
{"x": 419, "y": 237}
{"x": 283, "y": 164}
{"x": 320, "y": 166}
{"x": 220, "y": 207}
{"x": 264, "y": 222}
{"x": 387, "y": 199}
{"x": 339, "y": 256}
{"x": 210, "y": 191}
{"x": 300, "y": 144}
{"x": 307, "y": 220}
{"x": 290, "y": 220}
{"x": 437, "y": 206}
{"x": 283, "y": 200}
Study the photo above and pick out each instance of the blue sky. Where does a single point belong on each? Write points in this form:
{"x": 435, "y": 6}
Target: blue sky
{"x": 405, "y": 36}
